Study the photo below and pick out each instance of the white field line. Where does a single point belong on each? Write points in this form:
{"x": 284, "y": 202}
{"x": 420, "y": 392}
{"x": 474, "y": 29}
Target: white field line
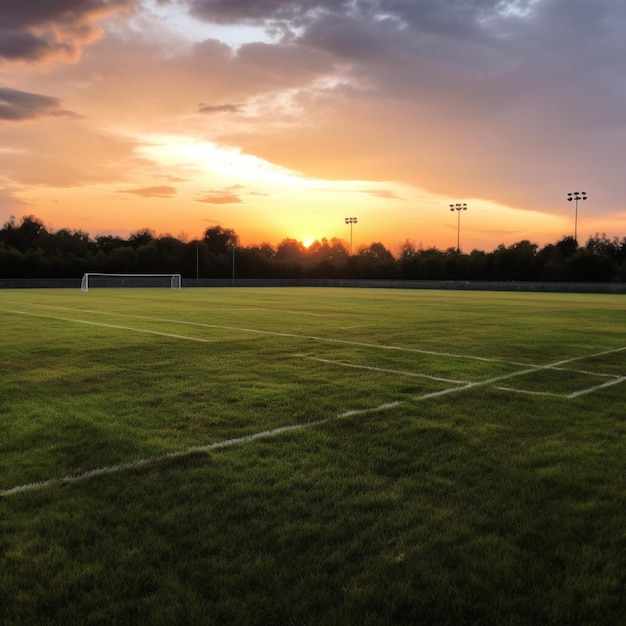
{"x": 530, "y": 370}
{"x": 354, "y": 326}
{"x": 263, "y": 310}
{"x": 141, "y": 462}
{"x": 111, "y": 469}
{"x": 260, "y": 332}
{"x": 528, "y": 392}
{"x": 233, "y": 308}
{"x": 385, "y": 370}
{"x": 586, "y": 372}
{"x": 121, "y": 467}
{"x": 608, "y": 383}
{"x": 587, "y": 356}
{"x": 118, "y": 327}
{"x": 615, "y": 381}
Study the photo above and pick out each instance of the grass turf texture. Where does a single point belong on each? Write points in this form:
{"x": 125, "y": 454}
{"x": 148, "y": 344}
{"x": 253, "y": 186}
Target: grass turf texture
{"x": 473, "y": 498}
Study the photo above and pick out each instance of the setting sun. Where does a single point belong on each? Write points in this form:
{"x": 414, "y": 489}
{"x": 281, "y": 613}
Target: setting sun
{"x": 307, "y": 242}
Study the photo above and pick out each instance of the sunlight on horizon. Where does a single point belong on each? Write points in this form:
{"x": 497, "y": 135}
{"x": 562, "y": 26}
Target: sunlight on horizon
{"x": 228, "y": 161}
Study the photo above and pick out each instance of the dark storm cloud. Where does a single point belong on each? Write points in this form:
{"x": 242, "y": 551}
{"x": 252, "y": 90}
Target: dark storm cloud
{"x": 20, "y": 105}
{"x": 36, "y": 30}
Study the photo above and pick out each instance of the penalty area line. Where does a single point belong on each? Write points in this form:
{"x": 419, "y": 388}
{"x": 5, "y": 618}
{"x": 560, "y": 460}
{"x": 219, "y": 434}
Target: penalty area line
{"x": 384, "y": 370}
{"x": 118, "y": 327}
{"x": 608, "y": 383}
{"x": 257, "y": 331}
{"x": 121, "y": 467}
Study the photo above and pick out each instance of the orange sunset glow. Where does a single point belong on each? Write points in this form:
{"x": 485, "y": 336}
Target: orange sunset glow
{"x": 279, "y": 119}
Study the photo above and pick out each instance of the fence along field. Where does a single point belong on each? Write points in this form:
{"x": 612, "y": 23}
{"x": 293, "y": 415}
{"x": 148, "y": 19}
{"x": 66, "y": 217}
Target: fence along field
{"x": 441, "y": 392}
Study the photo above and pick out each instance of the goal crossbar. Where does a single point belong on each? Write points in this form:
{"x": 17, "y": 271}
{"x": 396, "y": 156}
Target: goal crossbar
{"x": 102, "y": 279}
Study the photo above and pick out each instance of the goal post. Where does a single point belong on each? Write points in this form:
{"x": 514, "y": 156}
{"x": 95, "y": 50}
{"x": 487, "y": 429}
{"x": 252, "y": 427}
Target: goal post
{"x": 100, "y": 279}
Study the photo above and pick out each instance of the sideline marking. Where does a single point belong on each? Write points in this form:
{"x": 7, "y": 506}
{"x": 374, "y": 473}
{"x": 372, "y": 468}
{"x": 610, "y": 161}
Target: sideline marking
{"x": 258, "y": 332}
{"x": 224, "y": 308}
{"x": 614, "y": 380}
{"x": 528, "y": 392}
{"x": 118, "y": 327}
{"x": 120, "y": 467}
{"x": 276, "y": 431}
{"x": 529, "y": 370}
{"x": 608, "y": 383}
{"x": 262, "y": 310}
{"x": 385, "y": 370}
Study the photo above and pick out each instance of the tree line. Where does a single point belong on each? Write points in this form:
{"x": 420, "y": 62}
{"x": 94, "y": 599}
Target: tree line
{"x": 30, "y": 250}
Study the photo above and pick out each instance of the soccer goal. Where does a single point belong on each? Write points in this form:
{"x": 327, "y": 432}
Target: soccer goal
{"x": 96, "y": 279}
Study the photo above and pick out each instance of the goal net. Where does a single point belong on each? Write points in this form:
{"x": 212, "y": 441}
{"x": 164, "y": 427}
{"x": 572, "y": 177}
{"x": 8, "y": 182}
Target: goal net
{"x": 95, "y": 279}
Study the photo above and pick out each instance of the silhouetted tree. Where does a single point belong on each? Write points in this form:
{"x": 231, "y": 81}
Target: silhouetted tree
{"x": 141, "y": 238}
{"x": 220, "y": 241}
{"x": 375, "y": 261}
{"x": 290, "y": 251}
{"x": 107, "y": 243}
{"x": 28, "y": 249}
{"x": 29, "y": 234}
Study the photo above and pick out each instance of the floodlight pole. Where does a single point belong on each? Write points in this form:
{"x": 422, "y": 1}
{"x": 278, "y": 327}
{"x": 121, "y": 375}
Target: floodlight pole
{"x": 197, "y": 261}
{"x": 351, "y": 221}
{"x": 458, "y": 207}
{"x": 576, "y": 196}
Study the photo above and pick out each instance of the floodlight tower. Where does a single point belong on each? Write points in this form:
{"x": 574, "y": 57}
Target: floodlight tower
{"x": 458, "y": 207}
{"x": 351, "y": 221}
{"x": 576, "y": 196}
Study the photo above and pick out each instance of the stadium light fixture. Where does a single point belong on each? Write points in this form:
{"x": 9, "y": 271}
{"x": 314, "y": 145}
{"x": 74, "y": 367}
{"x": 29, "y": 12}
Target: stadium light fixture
{"x": 576, "y": 196}
{"x": 351, "y": 221}
{"x": 458, "y": 207}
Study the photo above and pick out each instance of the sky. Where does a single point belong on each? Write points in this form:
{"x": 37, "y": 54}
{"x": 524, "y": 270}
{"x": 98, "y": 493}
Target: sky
{"x": 280, "y": 118}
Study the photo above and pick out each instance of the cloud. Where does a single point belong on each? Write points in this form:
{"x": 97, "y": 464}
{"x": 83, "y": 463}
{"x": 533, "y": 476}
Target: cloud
{"x": 158, "y": 191}
{"x": 383, "y": 193}
{"x": 262, "y": 11}
{"x": 39, "y": 30}
{"x": 512, "y": 102}
{"x": 172, "y": 179}
{"x": 18, "y": 105}
{"x": 219, "y": 196}
{"x": 221, "y": 108}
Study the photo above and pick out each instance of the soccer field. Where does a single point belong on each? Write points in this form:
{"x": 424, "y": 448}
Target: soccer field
{"x": 312, "y": 456}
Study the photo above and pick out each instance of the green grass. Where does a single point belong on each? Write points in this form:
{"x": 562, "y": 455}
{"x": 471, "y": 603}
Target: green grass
{"x": 446, "y": 471}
